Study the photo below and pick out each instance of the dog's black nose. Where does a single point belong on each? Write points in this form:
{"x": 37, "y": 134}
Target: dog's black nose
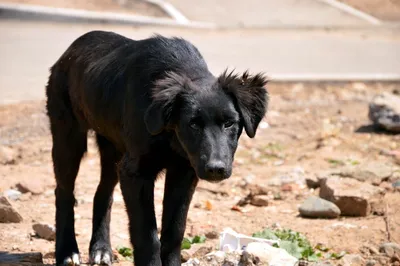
{"x": 216, "y": 168}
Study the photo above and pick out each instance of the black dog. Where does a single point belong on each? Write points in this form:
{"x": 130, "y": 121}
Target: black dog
{"x": 154, "y": 105}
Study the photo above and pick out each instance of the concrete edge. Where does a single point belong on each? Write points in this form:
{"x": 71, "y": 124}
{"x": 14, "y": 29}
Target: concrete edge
{"x": 352, "y": 11}
{"x": 110, "y": 17}
{"x": 170, "y": 10}
{"x": 334, "y": 77}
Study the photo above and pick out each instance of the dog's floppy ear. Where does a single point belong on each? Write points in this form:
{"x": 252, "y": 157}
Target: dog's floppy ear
{"x": 250, "y": 95}
{"x": 164, "y": 95}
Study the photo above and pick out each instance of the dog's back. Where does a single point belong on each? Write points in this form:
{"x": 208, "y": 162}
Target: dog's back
{"x": 103, "y": 76}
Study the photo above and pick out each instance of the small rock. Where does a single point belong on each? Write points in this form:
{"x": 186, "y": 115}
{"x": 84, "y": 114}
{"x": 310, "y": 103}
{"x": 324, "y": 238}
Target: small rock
{"x": 351, "y": 196}
{"x": 7, "y": 155}
{"x": 384, "y": 111}
{"x": 396, "y": 184}
{"x": 390, "y": 249}
{"x": 12, "y": 194}
{"x": 197, "y": 205}
{"x": 322, "y": 263}
{"x": 372, "y": 250}
{"x": 45, "y": 231}
{"x": 259, "y": 200}
{"x": 370, "y": 172}
{"x": 370, "y": 263}
{"x": 315, "y": 207}
{"x": 271, "y": 255}
{"x": 212, "y": 234}
{"x": 378, "y": 207}
{"x": 195, "y": 251}
{"x": 8, "y": 214}
{"x": 312, "y": 182}
{"x": 352, "y": 260}
{"x": 25, "y": 196}
{"x": 32, "y": 186}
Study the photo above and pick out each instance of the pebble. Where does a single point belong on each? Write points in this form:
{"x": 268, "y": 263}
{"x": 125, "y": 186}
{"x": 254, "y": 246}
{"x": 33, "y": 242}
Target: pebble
{"x": 32, "y": 186}
{"x": 260, "y": 200}
{"x": 353, "y": 260}
{"x": 212, "y": 234}
{"x": 8, "y": 214}
{"x": 12, "y": 194}
{"x": 370, "y": 263}
{"x": 315, "y": 207}
{"x": 390, "y": 249}
{"x": 7, "y": 155}
{"x": 396, "y": 184}
{"x": 195, "y": 251}
{"x": 45, "y": 231}
{"x": 384, "y": 110}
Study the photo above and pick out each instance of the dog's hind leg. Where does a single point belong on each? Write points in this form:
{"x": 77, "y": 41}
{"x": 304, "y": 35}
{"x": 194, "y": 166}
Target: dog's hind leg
{"x": 100, "y": 248}
{"x": 69, "y": 146}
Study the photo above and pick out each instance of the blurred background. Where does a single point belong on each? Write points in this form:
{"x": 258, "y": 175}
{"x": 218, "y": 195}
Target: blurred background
{"x": 334, "y": 115}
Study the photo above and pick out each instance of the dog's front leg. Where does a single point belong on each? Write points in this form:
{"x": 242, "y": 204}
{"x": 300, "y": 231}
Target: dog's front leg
{"x": 180, "y": 184}
{"x": 137, "y": 186}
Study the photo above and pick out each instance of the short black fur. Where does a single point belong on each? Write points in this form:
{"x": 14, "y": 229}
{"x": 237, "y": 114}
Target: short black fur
{"x": 154, "y": 106}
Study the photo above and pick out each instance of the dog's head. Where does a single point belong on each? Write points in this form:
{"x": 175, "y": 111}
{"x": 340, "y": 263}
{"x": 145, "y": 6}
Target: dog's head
{"x": 208, "y": 116}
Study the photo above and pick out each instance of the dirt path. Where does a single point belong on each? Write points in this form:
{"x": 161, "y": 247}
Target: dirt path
{"x": 298, "y": 137}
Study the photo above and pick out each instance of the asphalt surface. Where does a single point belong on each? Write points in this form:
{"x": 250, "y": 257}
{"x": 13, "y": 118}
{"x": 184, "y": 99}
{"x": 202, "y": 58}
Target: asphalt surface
{"x": 259, "y": 13}
{"x": 27, "y": 51}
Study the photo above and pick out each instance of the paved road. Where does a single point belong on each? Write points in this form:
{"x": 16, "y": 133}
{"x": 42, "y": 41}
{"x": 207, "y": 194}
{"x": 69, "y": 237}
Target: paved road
{"x": 27, "y": 50}
{"x": 258, "y": 13}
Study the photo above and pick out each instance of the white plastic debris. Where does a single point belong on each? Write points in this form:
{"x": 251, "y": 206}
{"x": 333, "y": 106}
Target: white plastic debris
{"x": 231, "y": 240}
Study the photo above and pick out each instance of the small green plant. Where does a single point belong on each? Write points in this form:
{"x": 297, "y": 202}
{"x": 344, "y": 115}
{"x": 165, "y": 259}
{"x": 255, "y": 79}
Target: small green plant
{"x": 188, "y": 241}
{"x": 293, "y": 242}
{"x": 126, "y": 252}
{"x": 335, "y": 162}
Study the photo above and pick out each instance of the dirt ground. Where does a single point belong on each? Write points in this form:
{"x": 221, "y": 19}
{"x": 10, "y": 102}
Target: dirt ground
{"x": 136, "y": 7}
{"x": 383, "y": 9}
{"x": 315, "y": 128}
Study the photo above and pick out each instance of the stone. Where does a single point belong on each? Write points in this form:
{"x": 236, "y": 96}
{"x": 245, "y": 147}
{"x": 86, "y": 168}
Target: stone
{"x": 195, "y": 251}
{"x": 370, "y": 263}
{"x": 384, "y": 111}
{"x": 321, "y": 263}
{"x": 32, "y": 258}
{"x": 8, "y": 214}
{"x": 32, "y": 186}
{"x": 312, "y": 182}
{"x": 390, "y": 249}
{"x": 378, "y": 207}
{"x": 270, "y": 255}
{"x": 352, "y": 260}
{"x": 373, "y": 173}
{"x": 351, "y": 196}
{"x": 212, "y": 234}
{"x": 8, "y": 155}
{"x": 45, "y": 231}
{"x": 396, "y": 184}
{"x": 371, "y": 249}
{"x": 12, "y": 194}
{"x": 259, "y": 200}
{"x": 315, "y": 207}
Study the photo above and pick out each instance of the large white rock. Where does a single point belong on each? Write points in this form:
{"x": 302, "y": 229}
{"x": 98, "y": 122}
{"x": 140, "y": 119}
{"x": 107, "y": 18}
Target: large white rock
{"x": 384, "y": 111}
{"x": 271, "y": 255}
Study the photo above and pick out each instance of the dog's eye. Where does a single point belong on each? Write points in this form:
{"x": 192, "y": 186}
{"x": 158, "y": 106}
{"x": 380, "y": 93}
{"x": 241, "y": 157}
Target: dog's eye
{"x": 195, "y": 125}
{"x": 228, "y": 124}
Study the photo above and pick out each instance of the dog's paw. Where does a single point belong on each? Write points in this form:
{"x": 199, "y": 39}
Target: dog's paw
{"x": 101, "y": 257}
{"x": 72, "y": 260}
